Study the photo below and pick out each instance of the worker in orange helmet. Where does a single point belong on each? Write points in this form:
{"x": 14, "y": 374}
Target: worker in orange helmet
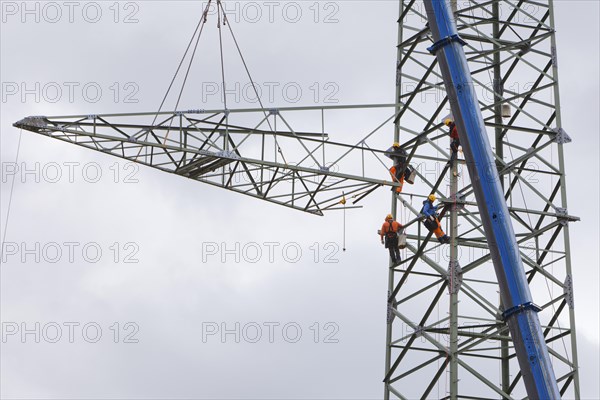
{"x": 455, "y": 143}
{"x": 389, "y": 236}
{"x": 431, "y": 220}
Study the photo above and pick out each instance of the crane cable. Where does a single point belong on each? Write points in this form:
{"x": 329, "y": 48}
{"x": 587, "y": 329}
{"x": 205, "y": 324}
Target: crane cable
{"x": 343, "y": 202}
{"x": 199, "y": 26}
{"x": 253, "y": 84}
{"x": 10, "y": 196}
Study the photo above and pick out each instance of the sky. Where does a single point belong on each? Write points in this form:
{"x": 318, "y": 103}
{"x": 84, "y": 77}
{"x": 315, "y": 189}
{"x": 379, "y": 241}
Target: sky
{"x": 120, "y": 281}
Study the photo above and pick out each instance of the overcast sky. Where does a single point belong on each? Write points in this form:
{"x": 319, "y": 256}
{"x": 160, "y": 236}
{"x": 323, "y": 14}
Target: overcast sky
{"x": 160, "y": 291}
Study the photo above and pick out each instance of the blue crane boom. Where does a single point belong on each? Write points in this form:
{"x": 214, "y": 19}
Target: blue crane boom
{"x": 520, "y": 312}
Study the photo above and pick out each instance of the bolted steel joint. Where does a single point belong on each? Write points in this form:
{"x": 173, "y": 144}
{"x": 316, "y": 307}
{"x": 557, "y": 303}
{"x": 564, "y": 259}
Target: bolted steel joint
{"x": 561, "y": 136}
{"x": 568, "y": 290}
{"x": 454, "y": 277}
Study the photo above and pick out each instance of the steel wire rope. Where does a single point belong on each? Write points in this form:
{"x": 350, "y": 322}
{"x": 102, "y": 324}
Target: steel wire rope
{"x": 200, "y": 26}
{"x": 253, "y": 84}
{"x": 10, "y": 196}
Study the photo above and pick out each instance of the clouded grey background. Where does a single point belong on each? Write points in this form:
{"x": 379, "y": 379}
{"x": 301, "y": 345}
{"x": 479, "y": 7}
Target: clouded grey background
{"x": 169, "y": 294}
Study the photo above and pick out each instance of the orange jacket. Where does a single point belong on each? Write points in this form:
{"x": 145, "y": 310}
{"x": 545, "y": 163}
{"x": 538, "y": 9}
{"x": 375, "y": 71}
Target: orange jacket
{"x": 396, "y": 226}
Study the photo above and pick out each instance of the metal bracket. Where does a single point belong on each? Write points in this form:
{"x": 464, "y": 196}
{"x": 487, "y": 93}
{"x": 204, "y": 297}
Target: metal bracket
{"x": 561, "y": 136}
{"x": 454, "y": 277}
{"x": 92, "y": 116}
{"x": 530, "y": 151}
{"x": 459, "y": 201}
{"x": 228, "y": 154}
{"x": 274, "y": 111}
{"x": 37, "y": 121}
{"x": 390, "y": 314}
{"x": 562, "y": 214}
{"x": 419, "y": 331}
{"x": 520, "y": 308}
{"x": 524, "y": 49}
{"x": 568, "y": 290}
{"x": 446, "y": 41}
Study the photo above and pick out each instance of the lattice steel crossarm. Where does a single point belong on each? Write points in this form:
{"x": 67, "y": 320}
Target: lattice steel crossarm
{"x": 283, "y": 166}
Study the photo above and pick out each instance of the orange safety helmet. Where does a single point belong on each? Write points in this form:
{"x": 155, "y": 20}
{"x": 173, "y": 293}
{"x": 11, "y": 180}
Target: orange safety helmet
{"x": 388, "y": 217}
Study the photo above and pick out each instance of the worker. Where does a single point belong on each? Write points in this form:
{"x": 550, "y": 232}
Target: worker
{"x": 431, "y": 221}
{"x": 400, "y": 171}
{"x": 389, "y": 236}
{"x": 455, "y": 143}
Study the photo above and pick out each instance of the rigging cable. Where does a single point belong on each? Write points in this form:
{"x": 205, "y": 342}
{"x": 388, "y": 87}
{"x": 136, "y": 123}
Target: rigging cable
{"x": 10, "y": 196}
{"x": 253, "y": 84}
{"x": 200, "y": 26}
{"x": 343, "y": 201}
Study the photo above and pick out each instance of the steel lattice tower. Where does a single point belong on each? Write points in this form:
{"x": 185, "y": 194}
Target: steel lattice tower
{"x": 446, "y": 337}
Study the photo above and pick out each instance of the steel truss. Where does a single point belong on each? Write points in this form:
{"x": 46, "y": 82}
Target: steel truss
{"x": 256, "y": 152}
{"x": 446, "y": 334}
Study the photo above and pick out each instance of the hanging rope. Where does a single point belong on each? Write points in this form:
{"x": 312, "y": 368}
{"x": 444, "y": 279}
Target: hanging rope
{"x": 343, "y": 202}
{"x": 221, "y": 51}
{"x": 10, "y": 196}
